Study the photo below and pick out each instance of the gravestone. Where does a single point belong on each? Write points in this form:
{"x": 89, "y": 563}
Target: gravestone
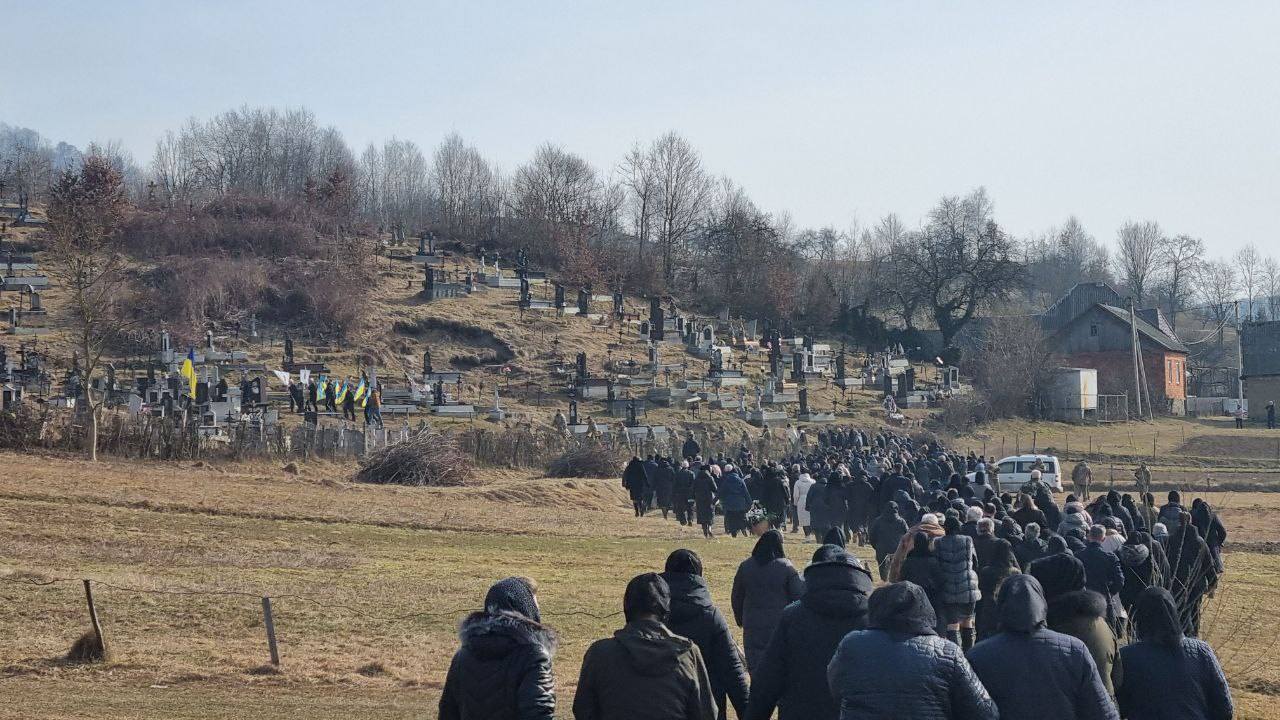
{"x": 656, "y": 320}
{"x": 559, "y": 303}
{"x": 288, "y": 349}
{"x": 584, "y": 301}
{"x": 573, "y": 412}
{"x": 804, "y": 401}
{"x": 581, "y": 367}
{"x": 427, "y": 370}
{"x": 618, "y": 309}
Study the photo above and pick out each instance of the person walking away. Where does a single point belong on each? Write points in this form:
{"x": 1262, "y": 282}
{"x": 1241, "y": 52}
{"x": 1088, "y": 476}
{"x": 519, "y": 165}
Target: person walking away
{"x": 1271, "y": 415}
{"x": 735, "y": 500}
{"x": 1166, "y": 673}
{"x": 311, "y": 396}
{"x": 1211, "y": 530}
{"x": 1103, "y": 574}
{"x": 899, "y": 668}
{"x": 664, "y": 478}
{"x": 645, "y": 671}
{"x": 1193, "y": 573}
{"x": 682, "y": 493}
{"x": 815, "y": 503}
{"x": 994, "y": 570}
{"x": 1171, "y": 513}
{"x": 1078, "y": 612}
{"x": 1082, "y": 478}
{"x": 1032, "y": 672}
{"x": 695, "y": 616}
{"x": 920, "y": 567}
{"x": 1030, "y": 548}
{"x": 1141, "y": 570}
{"x": 349, "y": 404}
{"x": 792, "y": 675}
{"x": 764, "y": 584}
{"x": 885, "y": 534}
{"x": 1027, "y": 512}
{"x": 799, "y": 493}
{"x": 375, "y": 406}
{"x": 958, "y": 591}
{"x": 705, "y": 490}
{"x": 636, "y": 481}
{"x": 502, "y": 670}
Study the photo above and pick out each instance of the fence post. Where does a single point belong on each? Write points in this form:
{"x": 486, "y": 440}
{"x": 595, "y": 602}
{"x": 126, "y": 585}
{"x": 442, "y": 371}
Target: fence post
{"x": 93, "y": 617}
{"x": 270, "y": 623}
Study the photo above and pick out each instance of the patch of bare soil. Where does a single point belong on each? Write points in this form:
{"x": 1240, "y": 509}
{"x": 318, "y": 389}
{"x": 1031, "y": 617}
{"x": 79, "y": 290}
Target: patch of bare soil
{"x": 1231, "y": 446}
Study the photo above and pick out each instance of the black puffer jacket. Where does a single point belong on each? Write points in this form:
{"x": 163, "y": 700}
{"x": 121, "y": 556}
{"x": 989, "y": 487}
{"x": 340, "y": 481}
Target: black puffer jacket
{"x": 792, "y": 675}
{"x": 901, "y": 669}
{"x": 1034, "y": 673}
{"x": 695, "y": 616}
{"x": 502, "y": 671}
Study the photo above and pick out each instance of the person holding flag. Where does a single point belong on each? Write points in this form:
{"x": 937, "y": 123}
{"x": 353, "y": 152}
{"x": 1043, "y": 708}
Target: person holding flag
{"x": 349, "y": 400}
{"x": 188, "y": 372}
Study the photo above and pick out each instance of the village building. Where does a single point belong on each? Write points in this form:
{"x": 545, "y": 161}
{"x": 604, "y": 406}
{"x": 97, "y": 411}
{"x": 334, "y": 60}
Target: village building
{"x": 1260, "y": 348}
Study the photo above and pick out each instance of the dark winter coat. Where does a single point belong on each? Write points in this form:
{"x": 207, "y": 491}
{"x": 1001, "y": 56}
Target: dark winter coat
{"x": 1034, "y": 673}
{"x": 957, "y": 564}
{"x": 886, "y": 532}
{"x": 899, "y": 668}
{"x": 734, "y": 496}
{"x": 775, "y": 494}
{"x": 695, "y": 616}
{"x": 682, "y": 488}
{"x": 1082, "y": 615}
{"x": 1168, "y": 676}
{"x": 816, "y": 503}
{"x": 1140, "y": 572}
{"x": 792, "y": 675}
{"x": 636, "y": 480}
{"x": 1103, "y": 575}
{"x": 705, "y": 489}
{"x": 760, "y": 592}
{"x": 502, "y": 671}
{"x": 644, "y": 672}
{"x": 664, "y": 478}
{"x": 861, "y": 501}
{"x": 691, "y": 449}
{"x": 1028, "y": 550}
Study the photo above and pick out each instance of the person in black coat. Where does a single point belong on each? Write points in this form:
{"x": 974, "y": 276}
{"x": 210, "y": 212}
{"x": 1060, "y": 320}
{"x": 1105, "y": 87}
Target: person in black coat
{"x": 663, "y": 479}
{"x": 682, "y": 493}
{"x": 774, "y": 496}
{"x": 690, "y": 449}
{"x": 884, "y": 535}
{"x": 1192, "y": 572}
{"x": 900, "y": 668}
{"x": 1030, "y": 548}
{"x": 1102, "y": 572}
{"x": 636, "y": 481}
{"x": 861, "y": 497}
{"x": 705, "y": 490}
{"x": 1034, "y": 673}
{"x": 695, "y": 616}
{"x": 502, "y": 671}
{"x": 1166, "y": 674}
{"x": 816, "y": 504}
{"x": 792, "y": 676}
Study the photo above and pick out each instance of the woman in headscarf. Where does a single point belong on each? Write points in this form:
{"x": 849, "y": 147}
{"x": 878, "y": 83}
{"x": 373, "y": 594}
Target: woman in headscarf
{"x": 1211, "y": 529}
{"x": 1166, "y": 674}
{"x": 1141, "y": 569}
{"x": 920, "y": 566}
{"x": 695, "y": 616}
{"x": 1192, "y": 573}
{"x": 502, "y": 671}
{"x": 705, "y": 489}
{"x": 928, "y": 525}
{"x": 999, "y": 565}
{"x": 765, "y": 583}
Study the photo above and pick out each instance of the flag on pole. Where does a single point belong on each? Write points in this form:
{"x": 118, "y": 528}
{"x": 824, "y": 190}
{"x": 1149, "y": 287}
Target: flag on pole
{"x": 340, "y": 394}
{"x": 360, "y": 390}
{"x": 284, "y": 377}
{"x": 320, "y": 386}
{"x": 304, "y": 375}
{"x": 188, "y": 371}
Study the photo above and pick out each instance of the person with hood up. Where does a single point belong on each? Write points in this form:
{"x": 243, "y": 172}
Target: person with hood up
{"x": 815, "y": 503}
{"x": 663, "y": 479}
{"x": 861, "y": 501}
{"x": 1192, "y": 573}
{"x": 1169, "y": 675}
{"x": 994, "y": 570}
{"x": 1078, "y": 612}
{"x": 932, "y": 529}
{"x": 644, "y": 672}
{"x": 792, "y": 675}
{"x": 774, "y": 496}
{"x": 765, "y": 583}
{"x": 735, "y": 500}
{"x": 1141, "y": 569}
{"x": 705, "y": 490}
{"x": 636, "y": 481}
{"x": 1211, "y": 529}
{"x": 885, "y": 534}
{"x": 900, "y": 668}
{"x": 1119, "y": 511}
{"x": 958, "y": 591}
{"x": 695, "y": 616}
{"x": 1032, "y": 672}
{"x": 799, "y": 494}
{"x": 1073, "y": 519}
{"x": 1031, "y": 547}
{"x": 1102, "y": 573}
{"x": 502, "y": 671}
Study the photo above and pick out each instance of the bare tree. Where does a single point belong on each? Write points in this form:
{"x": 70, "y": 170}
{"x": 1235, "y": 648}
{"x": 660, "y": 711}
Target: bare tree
{"x": 1139, "y": 256}
{"x": 1182, "y": 257}
{"x": 640, "y": 179}
{"x": 1271, "y": 285}
{"x": 683, "y": 192}
{"x": 959, "y": 261}
{"x": 1217, "y": 287}
{"x": 462, "y": 183}
{"x": 85, "y": 210}
{"x": 1249, "y": 270}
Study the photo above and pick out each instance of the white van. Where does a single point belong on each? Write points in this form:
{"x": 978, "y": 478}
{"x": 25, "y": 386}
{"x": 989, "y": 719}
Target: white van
{"x": 1014, "y": 472}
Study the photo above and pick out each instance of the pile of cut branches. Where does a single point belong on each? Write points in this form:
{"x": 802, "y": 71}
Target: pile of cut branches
{"x": 428, "y": 458}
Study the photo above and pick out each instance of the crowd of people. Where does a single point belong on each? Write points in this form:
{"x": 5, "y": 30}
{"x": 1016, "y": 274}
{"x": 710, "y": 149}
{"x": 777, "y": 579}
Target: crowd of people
{"x": 993, "y": 604}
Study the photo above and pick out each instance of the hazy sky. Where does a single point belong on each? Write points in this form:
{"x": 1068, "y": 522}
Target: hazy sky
{"x": 833, "y": 111}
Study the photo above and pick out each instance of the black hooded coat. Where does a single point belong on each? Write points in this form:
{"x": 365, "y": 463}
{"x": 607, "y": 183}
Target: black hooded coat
{"x": 695, "y": 616}
{"x": 502, "y": 671}
{"x": 1034, "y": 673}
{"x": 792, "y": 675}
{"x": 900, "y": 668}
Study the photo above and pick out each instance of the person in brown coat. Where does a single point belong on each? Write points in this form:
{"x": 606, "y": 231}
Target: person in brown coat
{"x": 644, "y": 672}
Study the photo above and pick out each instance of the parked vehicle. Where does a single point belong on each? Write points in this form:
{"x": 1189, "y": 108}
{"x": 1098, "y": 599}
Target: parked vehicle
{"x": 1013, "y": 472}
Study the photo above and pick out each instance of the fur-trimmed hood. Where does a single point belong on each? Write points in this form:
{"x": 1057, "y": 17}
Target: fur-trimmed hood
{"x": 497, "y": 635}
{"x": 1081, "y": 603}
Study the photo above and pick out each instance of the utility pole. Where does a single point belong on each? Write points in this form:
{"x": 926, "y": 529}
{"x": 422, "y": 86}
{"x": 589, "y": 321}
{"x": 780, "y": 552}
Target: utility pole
{"x": 1239, "y": 363}
{"x": 1137, "y": 357}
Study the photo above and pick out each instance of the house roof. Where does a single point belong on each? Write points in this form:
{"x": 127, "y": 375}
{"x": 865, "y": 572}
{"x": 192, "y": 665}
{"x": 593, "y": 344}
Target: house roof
{"x": 1146, "y": 329}
{"x": 1260, "y": 348}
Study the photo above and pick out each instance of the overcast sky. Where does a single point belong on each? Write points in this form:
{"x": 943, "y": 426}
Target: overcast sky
{"x": 834, "y": 111}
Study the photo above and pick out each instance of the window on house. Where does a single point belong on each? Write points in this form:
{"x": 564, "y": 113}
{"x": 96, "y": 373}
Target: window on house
{"x": 1093, "y": 330}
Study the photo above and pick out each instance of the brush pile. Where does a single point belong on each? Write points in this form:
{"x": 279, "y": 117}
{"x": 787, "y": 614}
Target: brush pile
{"x": 428, "y": 459}
{"x": 589, "y": 459}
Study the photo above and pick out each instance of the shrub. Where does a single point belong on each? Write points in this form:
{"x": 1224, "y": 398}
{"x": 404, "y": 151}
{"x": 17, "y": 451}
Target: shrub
{"x": 588, "y": 459}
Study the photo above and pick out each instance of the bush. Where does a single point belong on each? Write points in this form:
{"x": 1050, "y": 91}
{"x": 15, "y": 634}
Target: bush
{"x": 587, "y": 460}
{"x": 427, "y": 459}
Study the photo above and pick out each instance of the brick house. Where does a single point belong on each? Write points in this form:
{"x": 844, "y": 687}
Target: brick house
{"x": 1090, "y": 328}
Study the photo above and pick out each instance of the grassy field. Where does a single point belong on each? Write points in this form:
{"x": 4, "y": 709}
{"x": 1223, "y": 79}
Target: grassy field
{"x": 369, "y": 584}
